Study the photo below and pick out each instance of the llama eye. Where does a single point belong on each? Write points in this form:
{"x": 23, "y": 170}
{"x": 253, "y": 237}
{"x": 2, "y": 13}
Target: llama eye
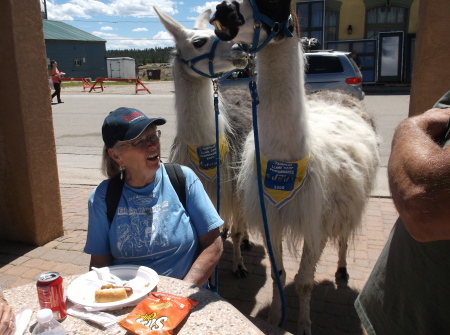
{"x": 199, "y": 43}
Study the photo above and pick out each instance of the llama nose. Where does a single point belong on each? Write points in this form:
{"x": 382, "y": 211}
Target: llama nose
{"x": 228, "y": 15}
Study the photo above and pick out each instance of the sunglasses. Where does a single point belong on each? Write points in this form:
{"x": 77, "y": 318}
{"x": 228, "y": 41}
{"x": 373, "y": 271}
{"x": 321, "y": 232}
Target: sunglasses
{"x": 152, "y": 138}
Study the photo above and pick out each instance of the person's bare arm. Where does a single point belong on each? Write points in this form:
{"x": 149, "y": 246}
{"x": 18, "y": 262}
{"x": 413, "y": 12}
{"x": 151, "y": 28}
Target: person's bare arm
{"x": 100, "y": 261}
{"x": 419, "y": 175}
{"x": 211, "y": 247}
{"x": 7, "y": 327}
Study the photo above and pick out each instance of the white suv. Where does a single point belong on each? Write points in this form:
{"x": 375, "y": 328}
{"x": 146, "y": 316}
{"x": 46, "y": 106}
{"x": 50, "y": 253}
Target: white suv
{"x": 332, "y": 70}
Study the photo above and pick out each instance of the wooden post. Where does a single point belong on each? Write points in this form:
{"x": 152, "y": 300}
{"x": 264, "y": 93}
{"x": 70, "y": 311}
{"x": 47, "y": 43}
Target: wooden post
{"x": 30, "y": 206}
{"x": 431, "y": 72}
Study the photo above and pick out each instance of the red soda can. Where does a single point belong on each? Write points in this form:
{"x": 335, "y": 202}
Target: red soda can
{"x": 51, "y": 294}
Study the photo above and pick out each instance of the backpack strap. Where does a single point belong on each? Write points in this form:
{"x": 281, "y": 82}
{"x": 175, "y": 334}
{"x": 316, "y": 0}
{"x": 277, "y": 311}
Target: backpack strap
{"x": 178, "y": 180}
{"x": 112, "y": 198}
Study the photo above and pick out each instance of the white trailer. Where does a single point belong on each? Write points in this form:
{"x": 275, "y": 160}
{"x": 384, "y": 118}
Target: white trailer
{"x": 121, "y": 67}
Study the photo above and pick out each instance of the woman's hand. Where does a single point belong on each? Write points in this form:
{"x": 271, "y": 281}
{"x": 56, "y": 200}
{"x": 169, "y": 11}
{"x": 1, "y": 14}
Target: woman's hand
{"x": 211, "y": 248}
{"x": 7, "y": 319}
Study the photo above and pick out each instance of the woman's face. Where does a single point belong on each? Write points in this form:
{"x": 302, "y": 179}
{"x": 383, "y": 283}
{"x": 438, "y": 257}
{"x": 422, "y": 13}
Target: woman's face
{"x": 141, "y": 155}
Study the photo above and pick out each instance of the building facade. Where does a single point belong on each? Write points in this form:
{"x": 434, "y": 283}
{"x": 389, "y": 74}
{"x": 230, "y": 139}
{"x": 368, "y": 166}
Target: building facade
{"x": 382, "y": 32}
{"x": 78, "y": 53}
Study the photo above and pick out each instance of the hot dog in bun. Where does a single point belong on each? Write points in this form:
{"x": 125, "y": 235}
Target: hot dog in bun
{"x": 111, "y": 293}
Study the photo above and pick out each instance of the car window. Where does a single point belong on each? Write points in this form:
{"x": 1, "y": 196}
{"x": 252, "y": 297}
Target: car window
{"x": 323, "y": 64}
{"x": 353, "y": 64}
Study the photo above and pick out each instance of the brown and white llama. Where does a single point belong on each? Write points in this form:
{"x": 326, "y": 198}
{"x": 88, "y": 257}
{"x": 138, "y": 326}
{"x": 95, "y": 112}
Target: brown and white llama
{"x": 329, "y": 140}
{"x": 195, "y": 138}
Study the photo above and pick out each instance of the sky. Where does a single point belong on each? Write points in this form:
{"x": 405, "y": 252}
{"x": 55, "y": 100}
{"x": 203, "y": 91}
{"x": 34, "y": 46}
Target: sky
{"x": 126, "y": 24}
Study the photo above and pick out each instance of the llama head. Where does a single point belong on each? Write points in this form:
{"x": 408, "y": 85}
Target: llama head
{"x": 195, "y": 47}
{"x": 235, "y": 20}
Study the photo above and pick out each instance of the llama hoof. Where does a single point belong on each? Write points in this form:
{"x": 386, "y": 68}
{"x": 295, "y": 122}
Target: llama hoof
{"x": 224, "y": 234}
{"x": 304, "y": 330}
{"x": 241, "y": 273}
{"x": 246, "y": 245}
{"x": 341, "y": 274}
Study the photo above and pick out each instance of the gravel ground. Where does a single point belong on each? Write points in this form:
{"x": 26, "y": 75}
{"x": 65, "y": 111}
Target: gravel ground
{"x": 155, "y": 87}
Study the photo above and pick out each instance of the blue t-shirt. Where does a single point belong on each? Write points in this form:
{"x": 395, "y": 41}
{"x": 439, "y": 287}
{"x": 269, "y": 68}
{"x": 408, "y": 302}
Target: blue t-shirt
{"x": 151, "y": 226}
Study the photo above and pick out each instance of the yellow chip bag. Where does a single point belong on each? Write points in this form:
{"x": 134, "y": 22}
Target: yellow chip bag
{"x": 160, "y": 313}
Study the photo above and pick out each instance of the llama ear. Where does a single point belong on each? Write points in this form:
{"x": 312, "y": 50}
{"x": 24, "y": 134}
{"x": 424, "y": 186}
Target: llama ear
{"x": 203, "y": 20}
{"x": 175, "y": 28}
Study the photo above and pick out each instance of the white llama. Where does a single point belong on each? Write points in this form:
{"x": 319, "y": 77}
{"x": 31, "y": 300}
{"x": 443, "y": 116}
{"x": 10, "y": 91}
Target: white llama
{"x": 329, "y": 140}
{"x": 194, "y": 144}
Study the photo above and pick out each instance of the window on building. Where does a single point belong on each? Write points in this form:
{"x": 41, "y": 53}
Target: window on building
{"x": 331, "y": 25}
{"x": 386, "y": 18}
{"x": 77, "y": 62}
{"x": 310, "y": 14}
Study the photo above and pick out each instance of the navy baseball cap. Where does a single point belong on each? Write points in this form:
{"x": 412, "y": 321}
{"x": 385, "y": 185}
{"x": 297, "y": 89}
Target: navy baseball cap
{"x": 126, "y": 124}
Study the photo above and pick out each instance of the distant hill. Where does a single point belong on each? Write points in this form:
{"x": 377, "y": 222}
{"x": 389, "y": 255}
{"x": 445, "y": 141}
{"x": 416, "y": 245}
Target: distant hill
{"x": 144, "y": 56}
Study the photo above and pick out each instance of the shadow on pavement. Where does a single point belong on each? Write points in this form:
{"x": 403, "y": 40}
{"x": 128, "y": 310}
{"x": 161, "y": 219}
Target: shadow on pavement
{"x": 332, "y": 305}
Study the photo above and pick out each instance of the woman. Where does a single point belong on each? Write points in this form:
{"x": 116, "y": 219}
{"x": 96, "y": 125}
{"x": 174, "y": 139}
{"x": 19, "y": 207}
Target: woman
{"x": 151, "y": 227}
{"x": 56, "y": 75}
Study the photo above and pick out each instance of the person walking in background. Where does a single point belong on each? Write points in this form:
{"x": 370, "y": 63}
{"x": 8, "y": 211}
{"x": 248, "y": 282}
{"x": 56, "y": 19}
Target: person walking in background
{"x": 357, "y": 60}
{"x": 408, "y": 289}
{"x": 56, "y": 78}
{"x": 7, "y": 318}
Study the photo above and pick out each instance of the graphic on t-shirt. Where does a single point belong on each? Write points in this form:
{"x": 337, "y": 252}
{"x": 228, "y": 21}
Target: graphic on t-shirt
{"x": 141, "y": 229}
{"x": 142, "y": 201}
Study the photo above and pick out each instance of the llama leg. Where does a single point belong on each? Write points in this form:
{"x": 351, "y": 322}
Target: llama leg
{"x": 237, "y": 236}
{"x": 225, "y": 230}
{"x": 246, "y": 244}
{"x": 341, "y": 273}
{"x": 304, "y": 283}
{"x": 275, "y": 307}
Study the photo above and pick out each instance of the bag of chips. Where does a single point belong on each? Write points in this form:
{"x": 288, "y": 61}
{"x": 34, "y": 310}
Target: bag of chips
{"x": 160, "y": 313}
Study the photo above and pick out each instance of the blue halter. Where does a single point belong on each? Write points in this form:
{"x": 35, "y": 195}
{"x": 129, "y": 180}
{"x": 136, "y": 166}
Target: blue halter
{"x": 210, "y": 56}
{"x": 275, "y": 28}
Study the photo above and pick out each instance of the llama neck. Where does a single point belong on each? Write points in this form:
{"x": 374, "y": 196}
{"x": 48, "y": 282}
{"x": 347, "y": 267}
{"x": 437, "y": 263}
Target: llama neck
{"x": 194, "y": 107}
{"x": 281, "y": 111}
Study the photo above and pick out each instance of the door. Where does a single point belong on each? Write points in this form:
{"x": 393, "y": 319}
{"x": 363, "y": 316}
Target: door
{"x": 390, "y": 56}
{"x": 115, "y": 69}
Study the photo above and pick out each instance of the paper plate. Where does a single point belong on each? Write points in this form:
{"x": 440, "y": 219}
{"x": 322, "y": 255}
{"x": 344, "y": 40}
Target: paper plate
{"x": 141, "y": 278}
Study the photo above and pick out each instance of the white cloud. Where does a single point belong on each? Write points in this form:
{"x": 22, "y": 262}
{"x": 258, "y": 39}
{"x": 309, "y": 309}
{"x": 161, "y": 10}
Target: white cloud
{"x": 106, "y": 28}
{"x": 136, "y": 44}
{"x": 73, "y": 9}
{"x": 165, "y": 36}
{"x": 208, "y": 5}
{"x": 103, "y": 35}
{"x": 161, "y": 40}
{"x": 140, "y": 29}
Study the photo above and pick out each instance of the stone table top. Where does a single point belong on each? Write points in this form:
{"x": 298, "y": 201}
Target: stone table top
{"x": 212, "y": 314}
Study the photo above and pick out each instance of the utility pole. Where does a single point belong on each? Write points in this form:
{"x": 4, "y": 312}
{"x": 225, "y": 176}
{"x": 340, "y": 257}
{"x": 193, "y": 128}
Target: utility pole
{"x": 45, "y": 9}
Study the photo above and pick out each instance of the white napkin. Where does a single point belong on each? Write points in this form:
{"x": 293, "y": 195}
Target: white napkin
{"x": 22, "y": 320}
{"x": 104, "y": 319}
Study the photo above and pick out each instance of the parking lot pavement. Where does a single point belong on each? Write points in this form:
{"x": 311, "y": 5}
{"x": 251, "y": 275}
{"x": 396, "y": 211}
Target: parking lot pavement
{"x": 332, "y": 310}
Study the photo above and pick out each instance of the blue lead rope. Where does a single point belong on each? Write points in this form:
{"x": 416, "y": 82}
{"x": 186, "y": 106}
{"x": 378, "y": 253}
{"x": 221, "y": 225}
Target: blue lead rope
{"x": 255, "y": 102}
{"x": 217, "y": 112}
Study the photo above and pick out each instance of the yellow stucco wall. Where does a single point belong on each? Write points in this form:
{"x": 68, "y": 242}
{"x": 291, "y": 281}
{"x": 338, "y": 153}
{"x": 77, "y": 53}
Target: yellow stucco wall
{"x": 353, "y": 12}
{"x": 413, "y": 17}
